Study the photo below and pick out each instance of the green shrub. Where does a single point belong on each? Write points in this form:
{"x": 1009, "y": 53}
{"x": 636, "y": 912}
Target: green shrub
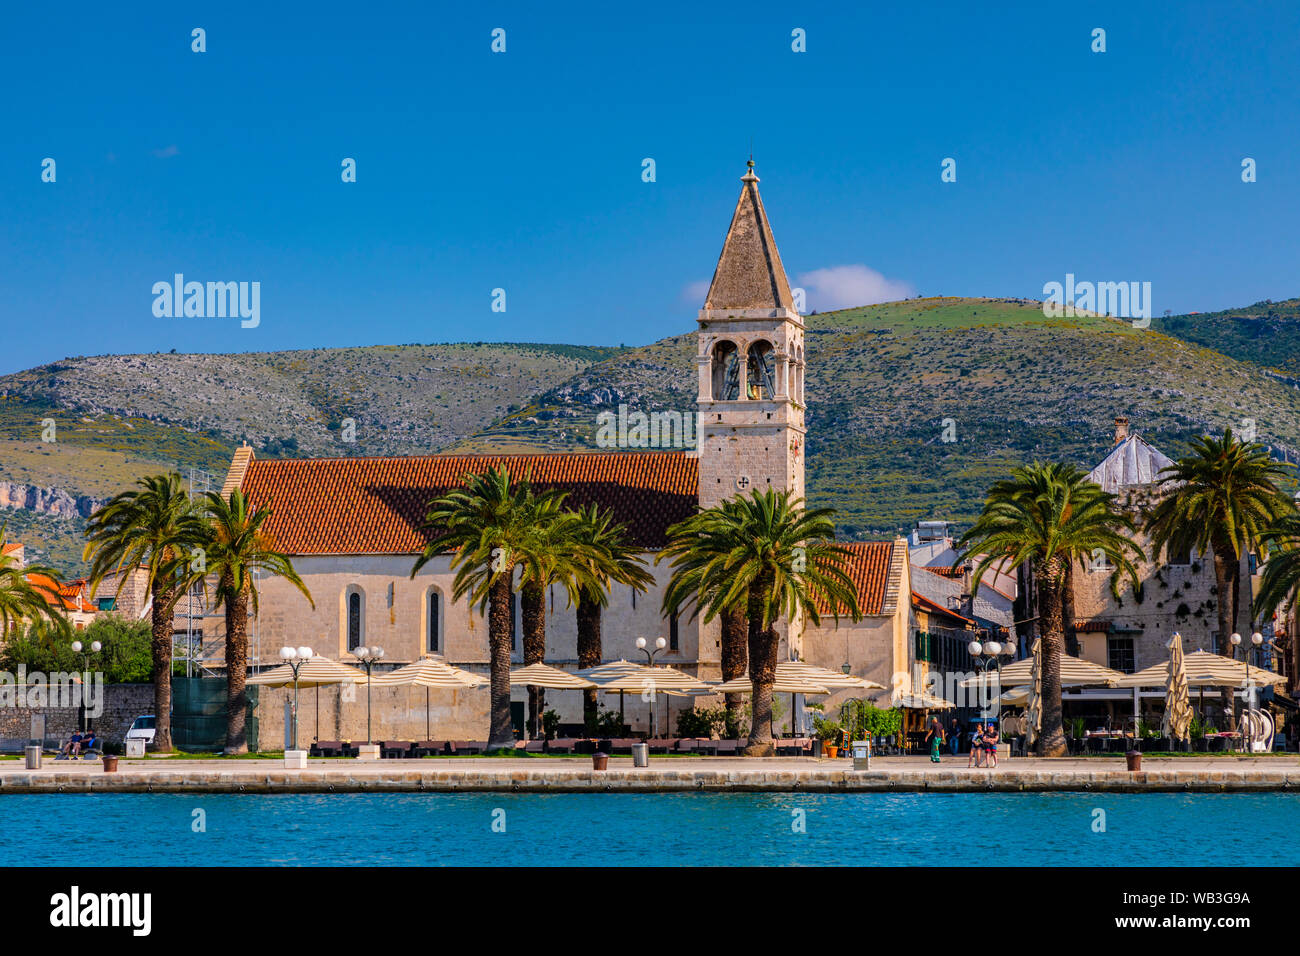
{"x": 126, "y": 656}
{"x": 702, "y": 722}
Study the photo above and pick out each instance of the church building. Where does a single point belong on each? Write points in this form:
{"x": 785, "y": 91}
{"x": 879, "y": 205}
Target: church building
{"x": 354, "y": 527}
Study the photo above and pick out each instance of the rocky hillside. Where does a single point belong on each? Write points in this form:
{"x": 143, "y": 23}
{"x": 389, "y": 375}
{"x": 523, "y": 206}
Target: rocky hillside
{"x": 884, "y": 385}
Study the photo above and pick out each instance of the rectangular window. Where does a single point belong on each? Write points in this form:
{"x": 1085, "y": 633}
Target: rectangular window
{"x": 434, "y": 609}
{"x": 673, "y": 644}
{"x": 1119, "y": 654}
{"x": 514, "y": 622}
{"x": 354, "y": 621}
{"x": 106, "y": 604}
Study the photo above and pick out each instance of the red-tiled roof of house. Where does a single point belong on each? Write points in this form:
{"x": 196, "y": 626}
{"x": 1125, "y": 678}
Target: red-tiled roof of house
{"x": 868, "y": 567}
{"x": 11, "y": 546}
{"x": 1092, "y": 626}
{"x": 67, "y": 595}
{"x": 378, "y": 505}
{"x": 944, "y": 570}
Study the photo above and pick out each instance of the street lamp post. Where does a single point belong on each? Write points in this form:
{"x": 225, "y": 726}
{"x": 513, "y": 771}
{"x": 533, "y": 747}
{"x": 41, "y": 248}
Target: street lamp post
{"x": 369, "y": 657}
{"x": 95, "y": 647}
{"x": 660, "y": 644}
{"x": 1257, "y": 639}
{"x": 988, "y": 655}
{"x": 295, "y": 657}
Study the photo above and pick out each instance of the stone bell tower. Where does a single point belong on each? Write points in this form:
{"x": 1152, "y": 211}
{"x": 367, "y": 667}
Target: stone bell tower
{"x": 751, "y": 365}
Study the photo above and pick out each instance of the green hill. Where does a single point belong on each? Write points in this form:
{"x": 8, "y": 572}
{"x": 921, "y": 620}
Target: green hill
{"x": 881, "y": 384}
{"x": 1264, "y": 333}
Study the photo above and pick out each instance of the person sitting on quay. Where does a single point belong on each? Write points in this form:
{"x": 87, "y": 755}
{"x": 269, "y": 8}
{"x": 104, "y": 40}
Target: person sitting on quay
{"x": 74, "y": 744}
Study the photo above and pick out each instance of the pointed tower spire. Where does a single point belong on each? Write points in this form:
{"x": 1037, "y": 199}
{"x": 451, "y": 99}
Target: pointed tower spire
{"x": 749, "y": 273}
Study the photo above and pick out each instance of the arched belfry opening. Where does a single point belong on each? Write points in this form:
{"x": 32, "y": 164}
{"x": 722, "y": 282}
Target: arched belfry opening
{"x": 761, "y": 371}
{"x": 726, "y": 372}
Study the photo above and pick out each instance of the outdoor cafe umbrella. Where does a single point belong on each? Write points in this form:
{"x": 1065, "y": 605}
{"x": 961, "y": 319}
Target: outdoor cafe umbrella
{"x": 1203, "y": 669}
{"x": 543, "y": 675}
{"x": 835, "y": 680}
{"x": 786, "y": 682}
{"x": 1034, "y": 694}
{"x": 921, "y": 701}
{"x": 1075, "y": 672}
{"x": 1178, "y": 707}
{"x": 430, "y": 672}
{"x": 623, "y": 676}
{"x": 313, "y": 672}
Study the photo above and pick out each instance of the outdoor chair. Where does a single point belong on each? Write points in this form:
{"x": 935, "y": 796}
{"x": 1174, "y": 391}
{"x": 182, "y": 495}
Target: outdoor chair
{"x": 395, "y": 749}
{"x": 560, "y": 745}
{"x": 686, "y": 745}
{"x": 706, "y": 746}
{"x": 327, "y": 748}
{"x": 534, "y": 746}
{"x": 727, "y": 748}
{"x": 661, "y": 745}
{"x": 429, "y": 748}
{"x": 459, "y": 747}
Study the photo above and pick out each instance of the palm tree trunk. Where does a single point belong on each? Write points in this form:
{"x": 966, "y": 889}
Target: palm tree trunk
{"x": 589, "y": 649}
{"x": 532, "y": 606}
{"x": 735, "y": 658}
{"x": 762, "y": 672}
{"x": 1051, "y": 740}
{"x": 500, "y": 594}
{"x": 1067, "y": 612}
{"x": 236, "y": 672}
{"x": 160, "y": 619}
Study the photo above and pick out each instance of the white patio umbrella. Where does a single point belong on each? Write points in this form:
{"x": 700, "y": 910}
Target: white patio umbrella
{"x": 429, "y": 672}
{"x": 1075, "y": 672}
{"x": 1034, "y": 695}
{"x": 623, "y": 676}
{"x": 314, "y": 671}
{"x": 1177, "y": 719}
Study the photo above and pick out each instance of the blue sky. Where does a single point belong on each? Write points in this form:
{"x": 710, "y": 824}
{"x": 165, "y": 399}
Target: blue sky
{"x": 522, "y": 170}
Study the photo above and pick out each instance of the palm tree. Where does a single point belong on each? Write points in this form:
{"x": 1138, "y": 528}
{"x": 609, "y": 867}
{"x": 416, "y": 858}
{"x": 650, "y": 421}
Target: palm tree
{"x": 781, "y": 557}
{"x": 20, "y": 599}
{"x": 1047, "y": 517}
{"x": 238, "y": 548}
{"x": 154, "y": 527}
{"x": 683, "y": 590}
{"x": 550, "y": 554}
{"x": 1219, "y": 499}
{"x": 610, "y": 559}
{"x": 486, "y": 526}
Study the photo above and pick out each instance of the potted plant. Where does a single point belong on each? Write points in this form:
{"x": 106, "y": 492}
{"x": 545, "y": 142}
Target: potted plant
{"x": 550, "y": 724}
{"x": 828, "y": 732}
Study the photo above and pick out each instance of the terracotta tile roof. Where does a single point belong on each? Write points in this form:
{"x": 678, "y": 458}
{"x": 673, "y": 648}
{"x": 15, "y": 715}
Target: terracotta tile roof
{"x": 378, "y": 505}
{"x": 1099, "y": 627}
{"x": 68, "y": 595}
{"x": 11, "y": 547}
{"x": 944, "y": 570}
{"x": 868, "y": 566}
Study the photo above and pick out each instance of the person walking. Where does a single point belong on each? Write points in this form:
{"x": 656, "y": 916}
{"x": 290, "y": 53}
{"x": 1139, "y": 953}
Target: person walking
{"x": 954, "y": 737}
{"x": 935, "y": 736}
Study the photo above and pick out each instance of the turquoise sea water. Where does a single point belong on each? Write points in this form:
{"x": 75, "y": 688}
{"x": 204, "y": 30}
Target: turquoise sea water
{"x": 1079, "y": 829}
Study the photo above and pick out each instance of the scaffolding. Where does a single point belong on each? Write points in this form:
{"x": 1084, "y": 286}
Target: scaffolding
{"x": 201, "y": 648}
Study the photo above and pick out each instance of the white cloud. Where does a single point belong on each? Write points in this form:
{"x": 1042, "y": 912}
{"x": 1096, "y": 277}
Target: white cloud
{"x": 167, "y": 152}
{"x": 841, "y": 287}
{"x": 694, "y": 292}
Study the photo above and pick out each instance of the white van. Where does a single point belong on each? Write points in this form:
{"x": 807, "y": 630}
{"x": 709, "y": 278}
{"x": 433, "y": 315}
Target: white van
{"x": 142, "y": 728}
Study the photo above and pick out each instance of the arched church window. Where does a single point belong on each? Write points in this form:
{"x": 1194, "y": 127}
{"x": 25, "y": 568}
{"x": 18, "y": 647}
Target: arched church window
{"x": 356, "y": 627}
{"x": 761, "y": 372}
{"x": 726, "y": 372}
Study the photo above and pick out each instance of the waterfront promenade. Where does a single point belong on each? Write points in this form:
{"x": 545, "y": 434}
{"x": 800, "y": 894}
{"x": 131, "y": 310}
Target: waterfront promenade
{"x": 575, "y": 774}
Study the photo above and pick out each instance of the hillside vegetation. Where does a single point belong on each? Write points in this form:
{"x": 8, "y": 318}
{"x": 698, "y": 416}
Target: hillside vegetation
{"x": 882, "y": 383}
